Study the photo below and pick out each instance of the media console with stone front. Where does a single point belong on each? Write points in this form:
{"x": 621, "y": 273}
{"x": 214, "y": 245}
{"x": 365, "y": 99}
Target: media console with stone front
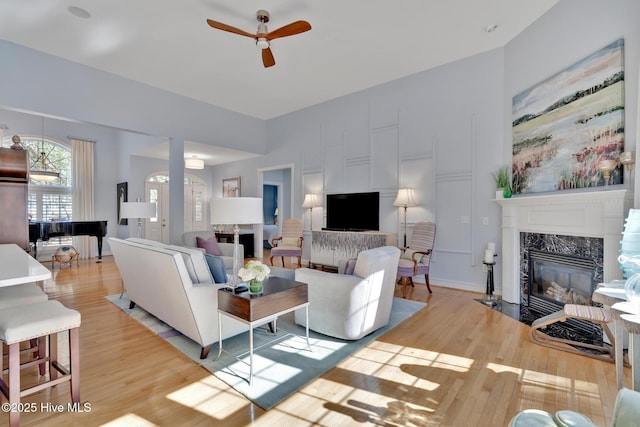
{"x": 328, "y": 248}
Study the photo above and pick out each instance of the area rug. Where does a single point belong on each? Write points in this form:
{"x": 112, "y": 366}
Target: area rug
{"x": 282, "y": 362}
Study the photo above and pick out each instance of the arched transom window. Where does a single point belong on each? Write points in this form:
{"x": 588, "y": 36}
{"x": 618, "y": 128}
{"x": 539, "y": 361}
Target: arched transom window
{"x": 49, "y": 200}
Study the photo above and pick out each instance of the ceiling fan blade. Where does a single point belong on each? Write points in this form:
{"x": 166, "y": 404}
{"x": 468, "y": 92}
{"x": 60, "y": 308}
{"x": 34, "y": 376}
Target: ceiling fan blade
{"x": 267, "y": 58}
{"x": 289, "y": 30}
{"x": 224, "y": 27}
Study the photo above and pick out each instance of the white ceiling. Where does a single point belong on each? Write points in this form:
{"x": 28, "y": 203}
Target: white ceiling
{"x": 353, "y": 44}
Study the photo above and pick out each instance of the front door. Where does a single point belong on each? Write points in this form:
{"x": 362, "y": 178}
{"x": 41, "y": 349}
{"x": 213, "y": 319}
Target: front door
{"x": 195, "y": 209}
{"x": 157, "y": 228}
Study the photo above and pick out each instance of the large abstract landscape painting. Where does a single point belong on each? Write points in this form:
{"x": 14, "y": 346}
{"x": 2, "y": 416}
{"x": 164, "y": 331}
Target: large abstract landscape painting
{"x": 564, "y": 126}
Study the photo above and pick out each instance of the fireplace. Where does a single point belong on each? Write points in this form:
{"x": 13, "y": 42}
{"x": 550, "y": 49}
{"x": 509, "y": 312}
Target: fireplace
{"x": 585, "y": 224}
{"x": 558, "y": 270}
{"x": 558, "y": 279}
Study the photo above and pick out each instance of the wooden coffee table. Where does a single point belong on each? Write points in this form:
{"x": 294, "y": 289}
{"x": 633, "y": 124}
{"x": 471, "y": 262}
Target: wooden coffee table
{"x": 280, "y": 296}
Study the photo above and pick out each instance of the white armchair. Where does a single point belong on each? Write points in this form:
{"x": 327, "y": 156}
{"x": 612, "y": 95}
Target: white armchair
{"x": 351, "y": 306}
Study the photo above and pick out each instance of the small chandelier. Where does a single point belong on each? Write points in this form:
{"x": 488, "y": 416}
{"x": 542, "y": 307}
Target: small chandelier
{"x": 194, "y": 163}
{"x": 39, "y": 170}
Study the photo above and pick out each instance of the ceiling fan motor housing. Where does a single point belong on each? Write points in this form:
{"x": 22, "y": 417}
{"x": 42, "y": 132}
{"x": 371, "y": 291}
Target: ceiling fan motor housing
{"x": 262, "y": 16}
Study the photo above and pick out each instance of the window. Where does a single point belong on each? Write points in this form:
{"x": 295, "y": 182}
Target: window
{"x": 48, "y": 201}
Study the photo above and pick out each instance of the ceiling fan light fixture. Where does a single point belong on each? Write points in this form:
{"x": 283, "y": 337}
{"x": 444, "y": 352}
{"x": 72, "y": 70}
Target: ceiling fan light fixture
{"x": 262, "y": 43}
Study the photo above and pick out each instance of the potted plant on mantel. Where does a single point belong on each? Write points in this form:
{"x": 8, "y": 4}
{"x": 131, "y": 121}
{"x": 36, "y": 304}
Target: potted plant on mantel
{"x": 503, "y": 182}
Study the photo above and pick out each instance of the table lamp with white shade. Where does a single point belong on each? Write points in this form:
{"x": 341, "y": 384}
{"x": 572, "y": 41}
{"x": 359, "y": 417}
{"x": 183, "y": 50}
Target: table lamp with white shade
{"x": 138, "y": 210}
{"x": 236, "y": 211}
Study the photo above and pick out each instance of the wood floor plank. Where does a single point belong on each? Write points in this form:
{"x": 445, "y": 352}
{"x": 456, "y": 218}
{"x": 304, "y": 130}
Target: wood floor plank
{"x": 455, "y": 363}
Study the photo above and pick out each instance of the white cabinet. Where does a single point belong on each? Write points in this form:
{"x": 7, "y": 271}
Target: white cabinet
{"x": 330, "y": 247}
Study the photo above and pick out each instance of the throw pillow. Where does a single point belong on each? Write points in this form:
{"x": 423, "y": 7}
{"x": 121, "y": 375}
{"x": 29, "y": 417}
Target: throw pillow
{"x": 210, "y": 246}
{"x": 217, "y": 268}
{"x": 350, "y": 266}
{"x": 289, "y": 241}
{"x": 408, "y": 254}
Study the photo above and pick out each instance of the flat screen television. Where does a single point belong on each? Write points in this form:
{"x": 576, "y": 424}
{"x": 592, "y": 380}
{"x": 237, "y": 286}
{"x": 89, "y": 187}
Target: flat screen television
{"x": 353, "y": 212}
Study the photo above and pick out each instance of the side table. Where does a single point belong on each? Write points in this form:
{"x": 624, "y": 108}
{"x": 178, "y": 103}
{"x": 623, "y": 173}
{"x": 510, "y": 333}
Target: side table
{"x": 279, "y": 296}
{"x": 627, "y": 317}
{"x": 489, "y": 299}
{"x": 609, "y": 295}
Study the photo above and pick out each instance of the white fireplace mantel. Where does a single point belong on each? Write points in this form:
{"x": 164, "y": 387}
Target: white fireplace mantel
{"x": 589, "y": 214}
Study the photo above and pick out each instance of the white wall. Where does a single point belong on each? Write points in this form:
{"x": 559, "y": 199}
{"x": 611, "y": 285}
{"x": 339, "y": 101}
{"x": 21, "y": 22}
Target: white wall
{"x": 439, "y": 132}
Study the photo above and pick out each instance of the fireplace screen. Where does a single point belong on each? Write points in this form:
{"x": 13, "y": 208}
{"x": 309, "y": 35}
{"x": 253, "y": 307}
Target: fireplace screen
{"x": 560, "y": 279}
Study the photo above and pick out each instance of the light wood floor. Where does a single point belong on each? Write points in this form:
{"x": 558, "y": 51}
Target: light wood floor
{"x": 455, "y": 363}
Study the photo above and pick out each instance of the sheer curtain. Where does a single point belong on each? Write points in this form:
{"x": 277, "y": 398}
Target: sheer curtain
{"x": 82, "y": 192}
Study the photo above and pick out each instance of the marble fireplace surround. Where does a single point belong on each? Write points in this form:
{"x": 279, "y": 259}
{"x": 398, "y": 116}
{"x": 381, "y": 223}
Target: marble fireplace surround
{"x": 598, "y": 214}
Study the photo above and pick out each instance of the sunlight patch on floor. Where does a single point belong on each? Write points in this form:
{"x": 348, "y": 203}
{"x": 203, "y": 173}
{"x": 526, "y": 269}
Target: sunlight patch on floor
{"x": 349, "y": 407}
{"x": 384, "y": 378}
{"x": 403, "y": 354}
{"x": 205, "y": 396}
{"x": 534, "y": 380}
{"x": 129, "y": 420}
{"x": 320, "y": 348}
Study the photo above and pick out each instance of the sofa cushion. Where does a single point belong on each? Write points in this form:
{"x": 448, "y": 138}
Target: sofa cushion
{"x": 195, "y": 262}
{"x": 209, "y": 245}
{"x": 408, "y": 254}
{"x": 217, "y": 268}
{"x": 289, "y": 241}
{"x": 350, "y": 266}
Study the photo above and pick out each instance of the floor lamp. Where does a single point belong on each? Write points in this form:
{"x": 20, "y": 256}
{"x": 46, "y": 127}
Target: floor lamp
{"x": 311, "y": 201}
{"x": 236, "y": 211}
{"x": 138, "y": 210}
{"x": 404, "y": 200}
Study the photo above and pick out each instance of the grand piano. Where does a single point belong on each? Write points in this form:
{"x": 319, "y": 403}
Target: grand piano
{"x": 44, "y": 230}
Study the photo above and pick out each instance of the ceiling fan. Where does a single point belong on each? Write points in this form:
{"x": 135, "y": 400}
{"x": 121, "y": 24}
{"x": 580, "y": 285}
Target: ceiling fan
{"x": 263, "y": 37}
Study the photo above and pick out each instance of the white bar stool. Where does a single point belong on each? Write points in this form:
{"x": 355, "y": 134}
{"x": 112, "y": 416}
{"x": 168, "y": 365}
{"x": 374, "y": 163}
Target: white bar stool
{"x": 27, "y": 293}
{"x": 39, "y": 320}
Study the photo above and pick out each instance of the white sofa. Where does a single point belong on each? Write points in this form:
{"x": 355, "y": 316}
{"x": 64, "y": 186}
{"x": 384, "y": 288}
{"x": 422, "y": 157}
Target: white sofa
{"x": 174, "y": 284}
{"x": 354, "y": 305}
{"x": 189, "y": 240}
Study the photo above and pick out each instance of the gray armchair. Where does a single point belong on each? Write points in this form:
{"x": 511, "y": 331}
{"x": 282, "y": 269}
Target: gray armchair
{"x": 350, "y": 306}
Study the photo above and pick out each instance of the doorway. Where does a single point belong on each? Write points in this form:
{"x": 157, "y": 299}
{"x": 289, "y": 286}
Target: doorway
{"x": 280, "y": 177}
{"x": 195, "y": 206}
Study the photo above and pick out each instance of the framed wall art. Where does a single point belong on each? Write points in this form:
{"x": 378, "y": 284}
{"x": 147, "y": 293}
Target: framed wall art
{"x": 231, "y": 187}
{"x": 566, "y": 127}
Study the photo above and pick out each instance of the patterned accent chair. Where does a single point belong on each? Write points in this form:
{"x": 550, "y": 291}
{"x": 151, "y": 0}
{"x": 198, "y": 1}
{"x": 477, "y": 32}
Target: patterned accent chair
{"x": 290, "y": 243}
{"x": 415, "y": 258}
